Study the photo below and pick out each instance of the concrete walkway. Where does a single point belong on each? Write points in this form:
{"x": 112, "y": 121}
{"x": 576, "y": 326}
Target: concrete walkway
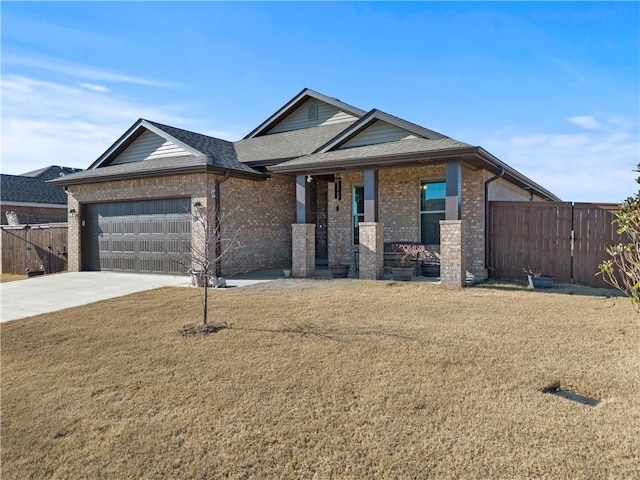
{"x": 50, "y": 293}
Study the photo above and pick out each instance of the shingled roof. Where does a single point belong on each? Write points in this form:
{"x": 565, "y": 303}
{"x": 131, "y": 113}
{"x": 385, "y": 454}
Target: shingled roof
{"x": 31, "y": 187}
{"x": 204, "y": 154}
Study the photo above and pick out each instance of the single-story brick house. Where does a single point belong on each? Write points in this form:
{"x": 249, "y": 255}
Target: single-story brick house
{"x": 318, "y": 179}
{"x": 29, "y": 199}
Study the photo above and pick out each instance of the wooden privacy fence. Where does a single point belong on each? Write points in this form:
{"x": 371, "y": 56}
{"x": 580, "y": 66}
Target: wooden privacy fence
{"x": 567, "y": 240}
{"x": 34, "y": 245}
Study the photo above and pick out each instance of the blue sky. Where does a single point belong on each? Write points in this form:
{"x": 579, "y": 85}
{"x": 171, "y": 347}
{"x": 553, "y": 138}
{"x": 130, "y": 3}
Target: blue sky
{"x": 552, "y": 89}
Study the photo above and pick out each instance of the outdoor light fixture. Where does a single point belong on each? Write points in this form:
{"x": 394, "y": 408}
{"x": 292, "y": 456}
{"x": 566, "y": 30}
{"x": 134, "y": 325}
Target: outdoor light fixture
{"x": 72, "y": 212}
{"x": 197, "y": 205}
{"x": 309, "y": 179}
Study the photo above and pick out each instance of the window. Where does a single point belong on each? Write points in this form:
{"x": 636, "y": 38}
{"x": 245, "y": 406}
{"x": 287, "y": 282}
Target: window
{"x": 313, "y": 111}
{"x": 357, "y": 211}
{"x": 432, "y": 196}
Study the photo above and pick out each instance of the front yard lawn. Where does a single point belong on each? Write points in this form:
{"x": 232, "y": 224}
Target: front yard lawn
{"x": 325, "y": 379}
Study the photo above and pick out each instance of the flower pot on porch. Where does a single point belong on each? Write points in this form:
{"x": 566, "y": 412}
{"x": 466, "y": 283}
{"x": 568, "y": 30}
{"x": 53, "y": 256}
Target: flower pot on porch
{"x": 430, "y": 269}
{"x": 339, "y": 271}
{"x": 541, "y": 281}
{"x": 402, "y": 274}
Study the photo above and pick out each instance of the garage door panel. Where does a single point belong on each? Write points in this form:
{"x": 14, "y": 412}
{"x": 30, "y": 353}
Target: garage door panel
{"x": 147, "y": 236}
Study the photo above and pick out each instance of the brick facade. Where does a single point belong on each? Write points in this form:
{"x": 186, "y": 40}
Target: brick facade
{"x": 256, "y": 213}
{"x": 259, "y": 214}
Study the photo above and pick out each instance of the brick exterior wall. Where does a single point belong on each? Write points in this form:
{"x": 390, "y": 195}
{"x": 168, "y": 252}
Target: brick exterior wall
{"x": 473, "y": 219}
{"x": 34, "y": 215}
{"x": 259, "y": 213}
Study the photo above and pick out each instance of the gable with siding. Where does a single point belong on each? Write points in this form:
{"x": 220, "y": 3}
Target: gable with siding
{"x": 149, "y": 146}
{"x": 378, "y": 132}
{"x": 300, "y": 118}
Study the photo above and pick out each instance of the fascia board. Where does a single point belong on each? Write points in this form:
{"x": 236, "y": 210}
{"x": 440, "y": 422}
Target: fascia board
{"x": 9, "y": 203}
{"x": 386, "y": 161}
{"x": 161, "y": 172}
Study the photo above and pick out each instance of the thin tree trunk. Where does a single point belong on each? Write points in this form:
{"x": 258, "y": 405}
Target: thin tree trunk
{"x": 206, "y": 298}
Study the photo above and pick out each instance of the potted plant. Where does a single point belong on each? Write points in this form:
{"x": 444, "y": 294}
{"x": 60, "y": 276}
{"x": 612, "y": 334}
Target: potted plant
{"x": 339, "y": 270}
{"x": 429, "y": 262}
{"x": 403, "y": 271}
{"x": 538, "y": 279}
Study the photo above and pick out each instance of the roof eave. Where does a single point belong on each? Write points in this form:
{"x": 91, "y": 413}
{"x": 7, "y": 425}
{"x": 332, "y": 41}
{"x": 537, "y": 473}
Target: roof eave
{"x": 161, "y": 172}
{"x": 474, "y": 156}
{"x": 378, "y": 161}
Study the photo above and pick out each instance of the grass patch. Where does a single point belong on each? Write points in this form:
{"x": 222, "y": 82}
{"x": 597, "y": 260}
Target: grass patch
{"x": 12, "y": 277}
{"x": 324, "y": 379}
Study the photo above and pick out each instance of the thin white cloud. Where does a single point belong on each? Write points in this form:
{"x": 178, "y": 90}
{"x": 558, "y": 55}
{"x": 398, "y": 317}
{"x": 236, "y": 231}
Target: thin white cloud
{"x": 48, "y": 123}
{"x": 594, "y": 166}
{"x": 586, "y": 121}
{"x": 78, "y": 71}
{"x": 95, "y": 88}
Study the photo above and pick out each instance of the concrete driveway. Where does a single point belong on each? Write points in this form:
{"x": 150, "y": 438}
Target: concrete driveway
{"x": 50, "y": 293}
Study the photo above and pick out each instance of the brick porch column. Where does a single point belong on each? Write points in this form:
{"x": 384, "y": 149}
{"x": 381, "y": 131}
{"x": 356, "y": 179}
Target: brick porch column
{"x": 303, "y": 249}
{"x": 73, "y": 234}
{"x": 453, "y": 271}
{"x": 371, "y": 250}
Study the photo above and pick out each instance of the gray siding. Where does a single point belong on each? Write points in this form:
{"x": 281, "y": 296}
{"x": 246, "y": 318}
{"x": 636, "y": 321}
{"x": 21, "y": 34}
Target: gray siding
{"x": 299, "y": 118}
{"x": 379, "y": 132}
{"x": 147, "y": 147}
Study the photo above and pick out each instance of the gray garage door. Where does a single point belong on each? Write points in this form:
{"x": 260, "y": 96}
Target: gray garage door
{"x": 150, "y": 236}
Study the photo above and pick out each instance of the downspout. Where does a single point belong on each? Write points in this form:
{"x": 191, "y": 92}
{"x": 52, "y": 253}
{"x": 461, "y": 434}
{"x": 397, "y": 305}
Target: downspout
{"x": 487, "y": 243}
{"x": 216, "y": 220}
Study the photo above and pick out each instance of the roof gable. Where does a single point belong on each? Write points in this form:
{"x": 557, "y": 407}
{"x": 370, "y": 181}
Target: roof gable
{"x": 295, "y": 114}
{"x": 149, "y": 146}
{"x": 378, "y": 127}
{"x": 130, "y": 137}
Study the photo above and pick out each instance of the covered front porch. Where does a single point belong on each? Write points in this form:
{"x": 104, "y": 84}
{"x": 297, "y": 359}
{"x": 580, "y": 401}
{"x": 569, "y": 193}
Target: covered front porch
{"x": 370, "y": 207}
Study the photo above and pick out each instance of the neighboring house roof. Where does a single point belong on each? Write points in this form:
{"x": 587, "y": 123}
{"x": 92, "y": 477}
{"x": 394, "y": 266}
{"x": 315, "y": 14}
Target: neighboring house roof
{"x": 305, "y": 95}
{"x": 51, "y": 172}
{"x": 21, "y": 189}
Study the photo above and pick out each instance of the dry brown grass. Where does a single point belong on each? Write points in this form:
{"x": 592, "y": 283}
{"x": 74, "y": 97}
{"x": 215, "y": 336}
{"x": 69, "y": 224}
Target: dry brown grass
{"x": 325, "y": 379}
{"x": 11, "y": 277}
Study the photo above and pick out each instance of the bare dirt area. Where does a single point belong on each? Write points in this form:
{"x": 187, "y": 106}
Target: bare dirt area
{"x": 326, "y": 379}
